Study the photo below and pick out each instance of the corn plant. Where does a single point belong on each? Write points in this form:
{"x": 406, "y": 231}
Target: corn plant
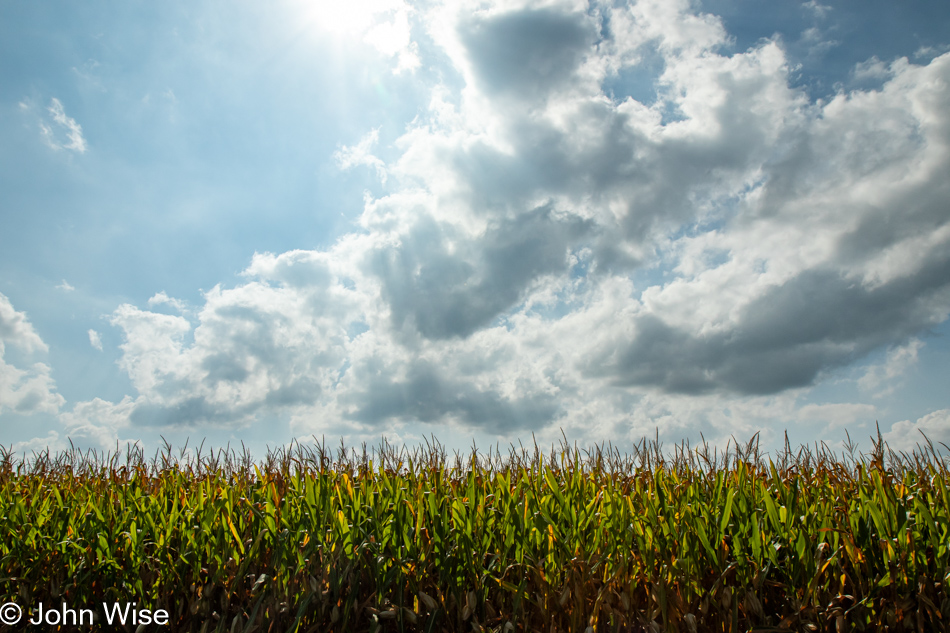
{"x": 319, "y": 539}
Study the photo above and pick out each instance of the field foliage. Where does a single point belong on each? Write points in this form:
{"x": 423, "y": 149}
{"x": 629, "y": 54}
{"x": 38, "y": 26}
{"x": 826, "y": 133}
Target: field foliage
{"x": 314, "y": 538}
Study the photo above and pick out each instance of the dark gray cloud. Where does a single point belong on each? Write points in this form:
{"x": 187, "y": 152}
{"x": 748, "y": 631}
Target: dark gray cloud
{"x": 188, "y": 413}
{"x": 784, "y": 339}
{"x": 551, "y": 160}
{"x": 529, "y": 53}
{"x": 204, "y": 410}
{"x": 427, "y": 395}
{"x": 444, "y": 283}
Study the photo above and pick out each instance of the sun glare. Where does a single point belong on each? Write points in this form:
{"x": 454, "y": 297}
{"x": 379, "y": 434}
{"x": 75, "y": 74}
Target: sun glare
{"x": 353, "y": 18}
{"x": 383, "y": 24}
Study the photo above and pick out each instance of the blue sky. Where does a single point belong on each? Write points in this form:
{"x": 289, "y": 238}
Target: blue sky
{"x": 478, "y": 220}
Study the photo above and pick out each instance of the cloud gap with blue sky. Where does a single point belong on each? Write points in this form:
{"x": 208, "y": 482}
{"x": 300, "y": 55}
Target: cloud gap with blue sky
{"x": 487, "y": 220}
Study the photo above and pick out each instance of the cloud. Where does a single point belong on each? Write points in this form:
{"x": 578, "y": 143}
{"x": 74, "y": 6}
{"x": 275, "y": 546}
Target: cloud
{"x": 52, "y": 442}
{"x": 783, "y": 338}
{"x": 160, "y": 298}
{"x": 931, "y": 51}
{"x": 550, "y": 254}
{"x": 29, "y": 390}
{"x": 16, "y": 328}
{"x": 95, "y": 340}
{"x": 277, "y": 341}
{"x": 393, "y": 38}
{"x": 62, "y": 124}
{"x": 361, "y": 154}
{"x": 838, "y": 415}
{"x": 527, "y": 53}
{"x": 817, "y": 43}
{"x": 97, "y": 421}
{"x": 426, "y": 395}
{"x": 880, "y": 380}
{"x": 872, "y": 68}
{"x": 816, "y": 268}
{"x": 383, "y": 24}
{"x": 820, "y": 10}
{"x": 442, "y": 283}
{"x": 906, "y": 435}
{"x": 24, "y": 390}
{"x": 65, "y": 286}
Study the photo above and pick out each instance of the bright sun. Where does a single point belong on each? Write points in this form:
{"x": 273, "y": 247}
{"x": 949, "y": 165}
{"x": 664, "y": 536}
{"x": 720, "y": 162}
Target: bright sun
{"x": 351, "y": 18}
{"x": 383, "y": 24}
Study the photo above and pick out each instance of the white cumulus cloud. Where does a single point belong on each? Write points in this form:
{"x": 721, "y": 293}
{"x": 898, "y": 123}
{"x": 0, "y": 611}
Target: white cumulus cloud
{"x": 24, "y": 389}
{"x": 97, "y": 422}
{"x": 162, "y": 298}
{"x": 906, "y": 435}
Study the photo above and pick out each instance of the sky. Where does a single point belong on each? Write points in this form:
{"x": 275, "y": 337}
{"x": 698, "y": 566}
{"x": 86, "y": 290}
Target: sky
{"x": 483, "y": 221}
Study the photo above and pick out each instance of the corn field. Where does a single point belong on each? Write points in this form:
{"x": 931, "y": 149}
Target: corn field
{"x": 314, "y": 538}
